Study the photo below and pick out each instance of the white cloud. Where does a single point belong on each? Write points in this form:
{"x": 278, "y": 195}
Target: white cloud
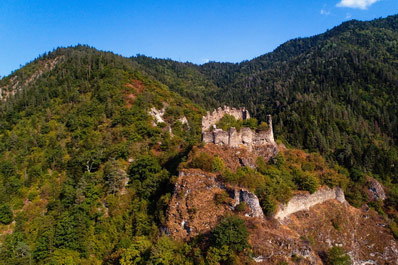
{"x": 348, "y": 16}
{"x": 325, "y": 12}
{"x": 206, "y": 60}
{"x": 361, "y": 4}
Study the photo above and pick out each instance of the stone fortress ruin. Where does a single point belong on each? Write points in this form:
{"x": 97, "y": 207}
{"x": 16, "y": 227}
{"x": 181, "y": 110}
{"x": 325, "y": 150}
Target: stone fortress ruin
{"x": 261, "y": 142}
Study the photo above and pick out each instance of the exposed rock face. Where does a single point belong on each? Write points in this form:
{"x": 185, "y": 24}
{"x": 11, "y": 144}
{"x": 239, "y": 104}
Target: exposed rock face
{"x": 361, "y": 232}
{"x": 327, "y": 221}
{"x": 157, "y": 115}
{"x": 375, "y": 190}
{"x": 212, "y": 118}
{"x": 193, "y": 209}
{"x": 15, "y": 84}
{"x": 305, "y": 201}
{"x": 274, "y": 245}
{"x": 251, "y": 200}
{"x": 184, "y": 120}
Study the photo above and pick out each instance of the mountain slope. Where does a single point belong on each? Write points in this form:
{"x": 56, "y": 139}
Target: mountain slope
{"x": 335, "y": 93}
{"x": 90, "y": 143}
{"x": 85, "y": 162}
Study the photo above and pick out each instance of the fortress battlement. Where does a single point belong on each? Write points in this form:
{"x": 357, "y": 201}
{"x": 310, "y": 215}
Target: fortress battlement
{"x": 261, "y": 142}
{"x": 213, "y": 117}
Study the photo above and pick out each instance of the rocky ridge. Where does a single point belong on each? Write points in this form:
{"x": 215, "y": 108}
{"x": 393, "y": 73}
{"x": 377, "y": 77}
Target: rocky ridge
{"x": 16, "y": 83}
{"x": 194, "y": 208}
{"x": 304, "y": 234}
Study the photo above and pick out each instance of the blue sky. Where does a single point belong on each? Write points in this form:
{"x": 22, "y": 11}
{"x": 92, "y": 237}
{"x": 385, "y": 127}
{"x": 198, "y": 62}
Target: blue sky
{"x": 195, "y": 31}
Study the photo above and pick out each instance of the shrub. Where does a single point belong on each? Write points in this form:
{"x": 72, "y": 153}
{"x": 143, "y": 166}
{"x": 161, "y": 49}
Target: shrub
{"x": 203, "y": 161}
{"x": 337, "y": 221}
{"x": 241, "y": 207}
{"x": 248, "y": 177}
{"x": 282, "y": 192}
{"x": 216, "y": 256}
{"x": 228, "y": 121}
{"x": 261, "y": 165}
{"x": 306, "y": 181}
{"x": 32, "y": 195}
{"x": 217, "y": 165}
{"x": 337, "y": 256}
{"x": 138, "y": 253}
{"x": 394, "y": 229}
{"x": 221, "y": 198}
{"x": 231, "y": 232}
{"x": 263, "y": 126}
{"x": 268, "y": 204}
{"x": 166, "y": 252}
{"x": 252, "y": 123}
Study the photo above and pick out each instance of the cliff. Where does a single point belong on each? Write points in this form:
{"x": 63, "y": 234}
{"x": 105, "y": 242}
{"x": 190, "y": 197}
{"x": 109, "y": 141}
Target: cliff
{"x": 199, "y": 201}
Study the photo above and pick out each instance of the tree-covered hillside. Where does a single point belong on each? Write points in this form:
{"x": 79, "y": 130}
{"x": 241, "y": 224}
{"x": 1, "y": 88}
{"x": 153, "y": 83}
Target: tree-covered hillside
{"x": 334, "y": 93}
{"x": 90, "y": 142}
{"x": 66, "y": 141}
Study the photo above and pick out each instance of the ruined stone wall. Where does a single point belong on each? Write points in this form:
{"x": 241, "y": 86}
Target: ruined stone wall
{"x": 306, "y": 201}
{"x": 233, "y": 138}
{"x": 212, "y": 118}
{"x": 262, "y": 141}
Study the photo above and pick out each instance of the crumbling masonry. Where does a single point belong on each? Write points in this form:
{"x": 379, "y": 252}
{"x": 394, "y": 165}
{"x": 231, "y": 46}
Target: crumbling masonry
{"x": 261, "y": 142}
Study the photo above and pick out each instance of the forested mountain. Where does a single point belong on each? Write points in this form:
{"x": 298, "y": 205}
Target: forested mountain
{"x": 66, "y": 142}
{"x": 91, "y": 142}
{"x": 335, "y": 93}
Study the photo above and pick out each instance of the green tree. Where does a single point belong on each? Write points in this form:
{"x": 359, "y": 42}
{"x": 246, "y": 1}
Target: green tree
{"x": 217, "y": 165}
{"x": 337, "y": 256}
{"x": 114, "y": 176}
{"x": 138, "y": 253}
{"x": 6, "y": 214}
{"x": 147, "y": 176}
{"x": 168, "y": 252}
{"x": 231, "y": 232}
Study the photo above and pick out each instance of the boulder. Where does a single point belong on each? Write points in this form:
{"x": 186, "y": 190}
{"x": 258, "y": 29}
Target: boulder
{"x": 375, "y": 190}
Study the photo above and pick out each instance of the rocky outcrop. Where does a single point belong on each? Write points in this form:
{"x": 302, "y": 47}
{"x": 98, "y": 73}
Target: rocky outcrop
{"x": 375, "y": 190}
{"x": 305, "y": 201}
{"x": 362, "y": 233}
{"x": 212, "y": 118}
{"x": 193, "y": 208}
{"x": 250, "y": 199}
{"x": 157, "y": 115}
{"x": 16, "y": 83}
